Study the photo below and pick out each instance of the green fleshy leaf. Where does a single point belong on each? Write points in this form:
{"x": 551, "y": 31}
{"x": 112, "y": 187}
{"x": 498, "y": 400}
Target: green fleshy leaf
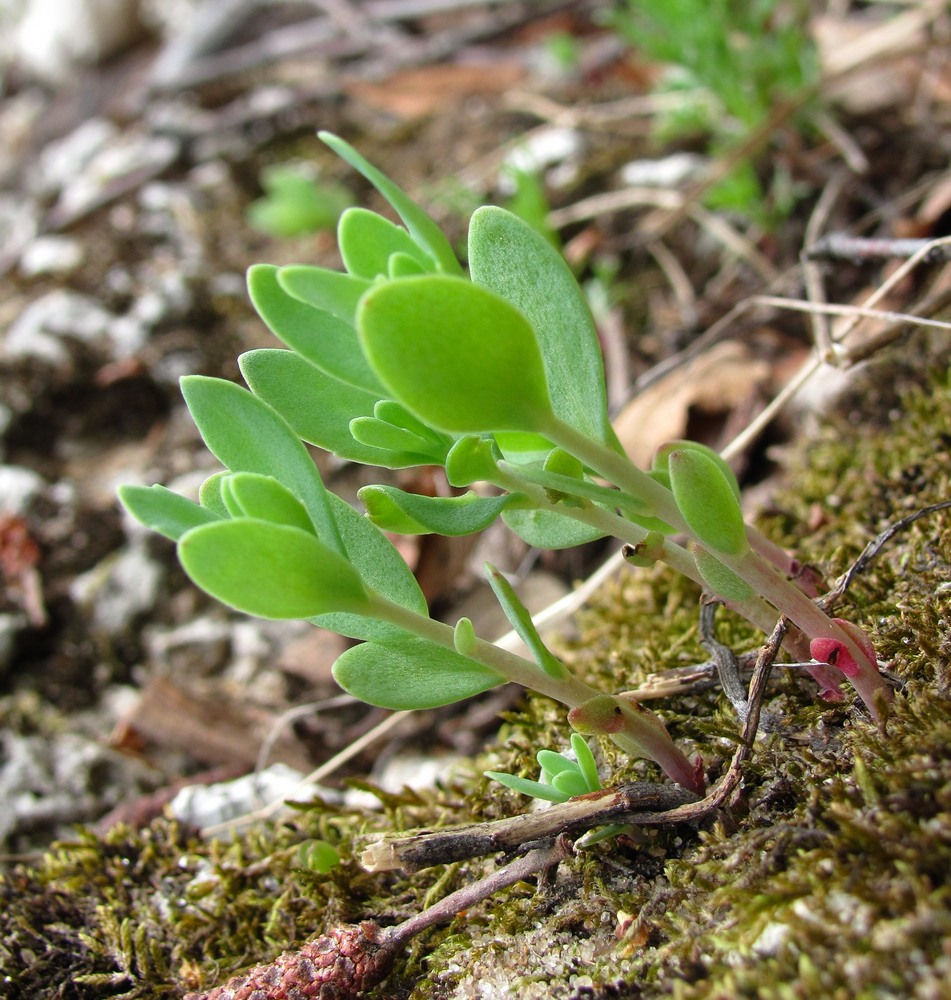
{"x": 231, "y": 504}
{"x": 464, "y": 638}
{"x": 325, "y": 341}
{"x": 661, "y": 476}
{"x": 471, "y": 459}
{"x": 586, "y": 762}
{"x": 368, "y": 241}
{"x": 392, "y": 509}
{"x": 381, "y": 568}
{"x": 411, "y": 674}
{"x": 705, "y": 497}
{"x": 318, "y": 407}
{"x": 559, "y": 462}
{"x": 247, "y": 435}
{"x": 663, "y": 453}
{"x": 459, "y": 357}
{"x": 269, "y": 570}
{"x": 521, "y": 620}
{"x": 333, "y": 291}
{"x": 384, "y": 436}
{"x": 396, "y": 414}
{"x": 525, "y": 786}
{"x": 553, "y": 762}
{"x": 318, "y": 856}
{"x": 511, "y": 258}
{"x": 570, "y": 783}
{"x": 520, "y": 448}
{"x": 401, "y": 265}
{"x": 546, "y": 529}
{"x": 264, "y": 498}
{"x": 209, "y": 494}
{"x": 163, "y": 511}
{"x": 424, "y": 231}
{"x": 721, "y": 580}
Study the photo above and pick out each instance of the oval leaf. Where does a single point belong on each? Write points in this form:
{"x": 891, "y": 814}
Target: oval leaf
{"x": 663, "y": 453}
{"x": 520, "y": 448}
{"x": 333, "y": 291}
{"x": 586, "y": 762}
{"x": 269, "y": 570}
{"x": 424, "y": 231}
{"x": 322, "y": 339}
{"x": 393, "y": 509}
{"x": 471, "y": 459}
{"x": 411, "y": 674}
{"x": 264, "y": 498}
{"x": 396, "y": 414}
{"x": 209, "y": 494}
{"x": 554, "y": 762}
{"x": 570, "y": 783}
{"x": 318, "y": 408}
{"x": 401, "y": 265}
{"x": 381, "y": 568}
{"x": 367, "y": 241}
{"x": 459, "y": 357}
{"x": 546, "y": 529}
{"x": 515, "y": 261}
{"x": 247, "y": 435}
{"x": 464, "y": 638}
{"x": 706, "y": 499}
{"x": 163, "y": 511}
{"x": 386, "y": 437}
{"x": 721, "y": 580}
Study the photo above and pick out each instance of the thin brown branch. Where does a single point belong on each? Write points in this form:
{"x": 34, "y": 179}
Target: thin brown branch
{"x": 641, "y": 803}
{"x": 872, "y": 550}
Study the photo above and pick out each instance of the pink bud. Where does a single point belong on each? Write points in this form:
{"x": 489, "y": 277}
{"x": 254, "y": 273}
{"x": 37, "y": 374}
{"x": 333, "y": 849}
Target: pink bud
{"x": 836, "y": 653}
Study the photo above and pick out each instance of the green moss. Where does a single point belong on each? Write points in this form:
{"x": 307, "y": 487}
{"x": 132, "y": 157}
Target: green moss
{"x": 154, "y": 912}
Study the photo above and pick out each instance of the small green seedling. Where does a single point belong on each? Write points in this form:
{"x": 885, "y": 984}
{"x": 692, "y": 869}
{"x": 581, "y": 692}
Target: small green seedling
{"x": 403, "y": 361}
{"x": 563, "y": 776}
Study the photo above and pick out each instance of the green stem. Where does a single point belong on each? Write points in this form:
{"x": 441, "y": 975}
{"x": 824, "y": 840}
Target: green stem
{"x": 619, "y": 470}
{"x": 639, "y": 736}
{"x": 769, "y": 582}
{"x": 754, "y": 609}
{"x": 751, "y": 567}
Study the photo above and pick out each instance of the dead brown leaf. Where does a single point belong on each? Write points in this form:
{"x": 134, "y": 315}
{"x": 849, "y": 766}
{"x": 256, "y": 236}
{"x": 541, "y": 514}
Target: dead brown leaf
{"x": 724, "y": 383}
{"x": 424, "y": 90}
